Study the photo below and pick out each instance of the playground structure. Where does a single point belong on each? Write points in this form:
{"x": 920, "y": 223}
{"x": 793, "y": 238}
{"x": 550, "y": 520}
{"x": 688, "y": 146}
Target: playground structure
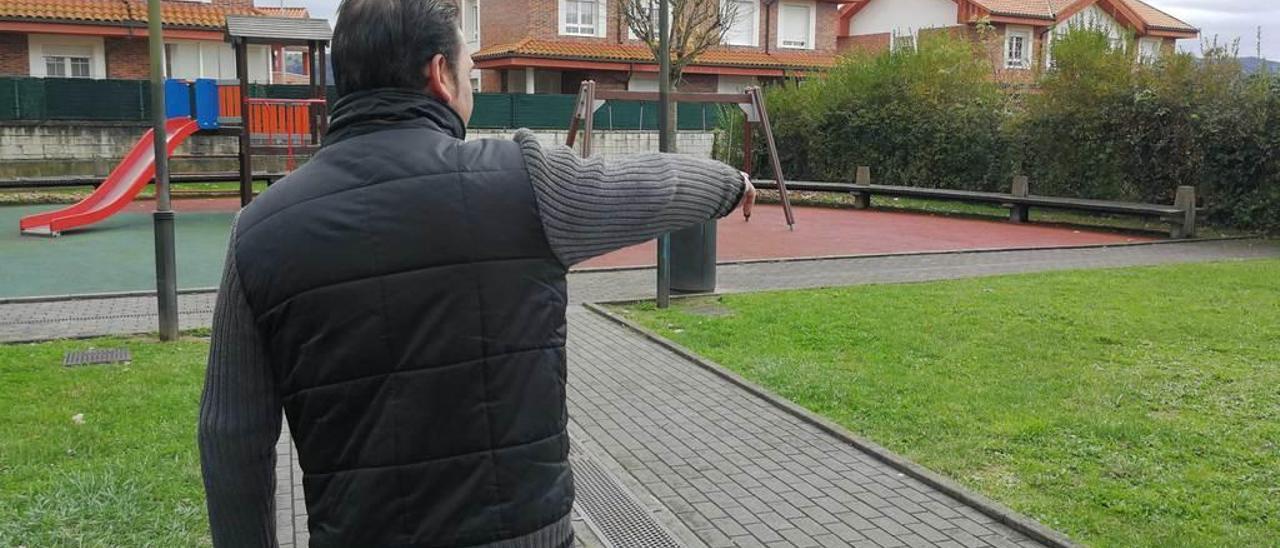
{"x": 277, "y": 127}
{"x": 751, "y": 101}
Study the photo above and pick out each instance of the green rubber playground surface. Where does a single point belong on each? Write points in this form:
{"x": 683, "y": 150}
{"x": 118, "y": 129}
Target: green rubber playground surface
{"x": 117, "y": 254}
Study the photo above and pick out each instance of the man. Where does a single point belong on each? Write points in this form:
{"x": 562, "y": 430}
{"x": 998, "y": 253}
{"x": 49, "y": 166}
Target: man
{"x": 402, "y": 298}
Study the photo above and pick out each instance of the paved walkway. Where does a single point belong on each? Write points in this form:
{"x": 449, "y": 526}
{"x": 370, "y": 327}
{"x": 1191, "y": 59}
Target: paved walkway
{"x": 716, "y": 464}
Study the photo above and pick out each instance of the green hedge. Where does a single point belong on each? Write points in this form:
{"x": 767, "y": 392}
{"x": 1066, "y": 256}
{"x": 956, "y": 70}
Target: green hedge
{"x": 1099, "y": 125}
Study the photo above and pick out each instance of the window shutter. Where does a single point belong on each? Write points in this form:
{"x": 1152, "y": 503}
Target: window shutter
{"x": 795, "y": 26}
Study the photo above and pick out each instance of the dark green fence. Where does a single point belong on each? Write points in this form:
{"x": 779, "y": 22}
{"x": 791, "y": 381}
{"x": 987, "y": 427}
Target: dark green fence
{"x": 503, "y": 110}
{"x": 129, "y": 100}
{"x": 73, "y": 99}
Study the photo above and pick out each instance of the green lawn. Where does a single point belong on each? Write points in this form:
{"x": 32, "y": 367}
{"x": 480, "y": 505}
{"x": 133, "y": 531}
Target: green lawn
{"x": 1133, "y": 407}
{"x": 129, "y": 475}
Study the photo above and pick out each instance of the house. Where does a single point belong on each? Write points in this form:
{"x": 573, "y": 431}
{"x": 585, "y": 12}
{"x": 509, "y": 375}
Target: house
{"x": 1023, "y": 29}
{"x": 108, "y": 39}
{"x": 550, "y": 46}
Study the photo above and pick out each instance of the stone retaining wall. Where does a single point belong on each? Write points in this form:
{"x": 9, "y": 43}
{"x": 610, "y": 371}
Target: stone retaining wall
{"x": 52, "y": 149}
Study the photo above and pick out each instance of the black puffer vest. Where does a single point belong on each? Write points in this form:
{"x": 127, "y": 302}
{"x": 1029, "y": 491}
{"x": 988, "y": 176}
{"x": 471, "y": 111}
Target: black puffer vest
{"x": 415, "y": 318}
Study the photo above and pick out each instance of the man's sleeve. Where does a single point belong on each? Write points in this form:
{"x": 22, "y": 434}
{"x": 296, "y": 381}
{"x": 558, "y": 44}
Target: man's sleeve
{"x": 591, "y": 206}
{"x": 239, "y": 423}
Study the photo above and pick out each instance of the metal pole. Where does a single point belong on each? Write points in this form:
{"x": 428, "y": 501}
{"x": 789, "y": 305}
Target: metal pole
{"x": 166, "y": 264}
{"x": 664, "y": 141}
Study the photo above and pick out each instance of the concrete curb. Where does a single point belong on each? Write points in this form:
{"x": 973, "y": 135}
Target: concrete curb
{"x": 980, "y": 250}
{"x": 92, "y": 296}
{"x": 999, "y": 512}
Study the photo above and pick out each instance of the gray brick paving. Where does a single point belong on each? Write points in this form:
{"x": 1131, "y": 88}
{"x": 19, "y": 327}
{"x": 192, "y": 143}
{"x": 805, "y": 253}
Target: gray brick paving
{"x": 734, "y": 470}
{"x": 640, "y": 401}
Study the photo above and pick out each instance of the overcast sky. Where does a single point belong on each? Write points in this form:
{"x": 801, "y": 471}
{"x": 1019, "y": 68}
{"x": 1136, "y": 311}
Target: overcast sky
{"x": 1227, "y": 19}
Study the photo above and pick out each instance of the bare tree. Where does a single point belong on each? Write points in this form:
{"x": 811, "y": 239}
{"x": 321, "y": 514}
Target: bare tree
{"x": 695, "y": 27}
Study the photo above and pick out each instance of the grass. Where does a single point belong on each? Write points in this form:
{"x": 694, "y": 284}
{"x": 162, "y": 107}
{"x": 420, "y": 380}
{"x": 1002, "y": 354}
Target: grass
{"x": 965, "y": 209}
{"x": 1132, "y": 407}
{"x": 130, "y": 474}
{"x": 72, "y": 194}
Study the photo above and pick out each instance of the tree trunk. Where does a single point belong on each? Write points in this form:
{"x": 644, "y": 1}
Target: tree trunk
{"x": 672, "y": 115}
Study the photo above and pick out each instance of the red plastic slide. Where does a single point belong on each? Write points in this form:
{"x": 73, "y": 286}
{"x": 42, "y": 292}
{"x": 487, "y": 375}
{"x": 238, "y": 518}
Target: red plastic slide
{"x": 126, "y": 180}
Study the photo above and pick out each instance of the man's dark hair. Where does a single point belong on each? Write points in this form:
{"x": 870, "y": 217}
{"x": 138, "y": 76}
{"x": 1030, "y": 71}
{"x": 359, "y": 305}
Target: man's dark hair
{"x": 387, "y": 43}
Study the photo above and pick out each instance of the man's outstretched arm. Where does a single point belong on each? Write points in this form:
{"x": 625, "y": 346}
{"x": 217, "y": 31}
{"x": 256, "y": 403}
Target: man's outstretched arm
{"x": 239, "y": 423}
{"x": 591, "y": 206}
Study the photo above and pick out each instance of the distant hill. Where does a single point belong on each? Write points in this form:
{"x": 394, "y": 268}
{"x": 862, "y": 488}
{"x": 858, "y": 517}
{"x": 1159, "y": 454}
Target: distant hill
{"x": 1254, "y": 64}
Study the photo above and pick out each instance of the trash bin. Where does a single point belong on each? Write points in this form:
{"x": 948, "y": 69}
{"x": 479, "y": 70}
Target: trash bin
{"x": 693, "y": 259}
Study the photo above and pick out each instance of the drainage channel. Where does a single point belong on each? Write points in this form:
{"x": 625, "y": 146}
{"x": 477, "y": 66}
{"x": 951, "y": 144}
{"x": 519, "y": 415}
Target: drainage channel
{"x": 612, "y": 512}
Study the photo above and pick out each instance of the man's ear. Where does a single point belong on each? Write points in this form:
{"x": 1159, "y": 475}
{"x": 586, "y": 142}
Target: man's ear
{"x": 438, "y": 78}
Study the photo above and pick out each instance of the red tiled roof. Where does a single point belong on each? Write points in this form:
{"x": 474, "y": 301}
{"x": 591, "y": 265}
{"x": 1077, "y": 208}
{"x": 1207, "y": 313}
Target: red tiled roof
{"x": 596, "y": 51}
{"x": 285, "y": 11}
{"x": 1053, "y": 9}
{"x": 117, "y": 12}
{"x": 1158, "y": 19}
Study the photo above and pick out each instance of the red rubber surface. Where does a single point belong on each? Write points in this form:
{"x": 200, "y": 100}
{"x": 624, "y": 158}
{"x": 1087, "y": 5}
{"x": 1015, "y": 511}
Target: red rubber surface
{"x": 824, "y": 232}
{"x": 821, "y": 232}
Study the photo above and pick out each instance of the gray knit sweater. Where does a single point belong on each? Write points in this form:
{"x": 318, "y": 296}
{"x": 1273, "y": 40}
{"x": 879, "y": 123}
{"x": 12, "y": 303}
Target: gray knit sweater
{"x": 588, "y": 207}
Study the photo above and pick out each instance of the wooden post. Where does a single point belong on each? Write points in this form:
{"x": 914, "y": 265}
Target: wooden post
{"x": 862, "y": 200}
{"x": 757, "y": 102}
{"x": 748, "y": 157}
{"x": 583, "y": 117}
{"x": 246, "y": 159}
{"x": 588, "y": 117}
{"x": 1184, "y": 226}
{"x": 1020, "y": 213}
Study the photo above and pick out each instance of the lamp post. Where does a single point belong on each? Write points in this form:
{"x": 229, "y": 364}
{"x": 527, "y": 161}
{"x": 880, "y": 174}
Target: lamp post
{"x": 665, "y": 137}
{"x": 166, "y": 267}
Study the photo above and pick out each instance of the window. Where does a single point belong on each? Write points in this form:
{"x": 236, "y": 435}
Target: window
{"x": 653, "y": 17}
{"x": 795, "y": 26}
{"x": 1149, "y": 50}
{"x": 582, "y": 17}
{"x": 294, "y": 63}
{"x": 471, "y": 17}
{"x": 1017, "y": 48}
{"x": 743, "y": 30}
{"x": 57, "y": 66}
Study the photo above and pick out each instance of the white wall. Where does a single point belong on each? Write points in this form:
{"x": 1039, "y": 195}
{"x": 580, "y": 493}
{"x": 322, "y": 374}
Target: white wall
{"x": 903, "y": 16}
{"x": 643, "y": 81}
{"x": 40, "y": 44}
{"x": 734, "y": 84}
{"x": 191, "y": 59}
{"x": 1091, "y": 17}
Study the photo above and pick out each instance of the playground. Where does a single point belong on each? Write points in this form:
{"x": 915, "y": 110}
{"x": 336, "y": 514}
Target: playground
{"x": 108, "y": 242}
{"x": 117, "y": 254}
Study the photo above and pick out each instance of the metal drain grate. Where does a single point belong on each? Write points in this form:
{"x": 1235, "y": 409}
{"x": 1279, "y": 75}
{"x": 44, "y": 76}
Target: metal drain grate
{"x": 611, "y": 511}
{"x": 96, "y": 355}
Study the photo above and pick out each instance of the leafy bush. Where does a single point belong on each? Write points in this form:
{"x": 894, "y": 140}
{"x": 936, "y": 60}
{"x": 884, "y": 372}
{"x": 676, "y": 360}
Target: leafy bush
{"x": 1099, "y": 125}
{"x": 927, "y": 117}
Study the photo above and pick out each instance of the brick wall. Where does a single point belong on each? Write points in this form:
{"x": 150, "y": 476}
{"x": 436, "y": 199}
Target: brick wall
{"x": 995, "y": 49}
{"x": 700, "y": 83}
{"x": 572, "y": 79}
{"x": 871, "y": 43}
{"x": 491, "y": 81}
{"x": 13, "y": 55}
{"x": 128, "y": 58}
{"x": 505, "y": 21}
